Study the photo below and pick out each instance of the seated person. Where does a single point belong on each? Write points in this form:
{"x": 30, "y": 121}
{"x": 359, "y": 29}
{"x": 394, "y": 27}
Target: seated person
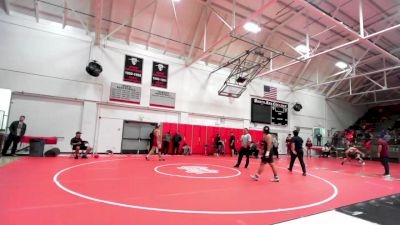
{"x": 220, "y": 148}
{"x": 186, "y": 149}
{"x": 78, "y": 144}
{"x": 254, "y": 150}
{"x": 353, "y": 153}
{"x": 326, "y": 150}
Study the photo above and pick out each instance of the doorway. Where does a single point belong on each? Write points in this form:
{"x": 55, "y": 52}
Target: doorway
{"x": 136, "y": 137}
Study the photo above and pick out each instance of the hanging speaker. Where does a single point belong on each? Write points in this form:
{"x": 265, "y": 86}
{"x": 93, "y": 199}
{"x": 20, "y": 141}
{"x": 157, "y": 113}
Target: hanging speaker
{"x": 297, "y": 107}
{"x": 94, "y": 69}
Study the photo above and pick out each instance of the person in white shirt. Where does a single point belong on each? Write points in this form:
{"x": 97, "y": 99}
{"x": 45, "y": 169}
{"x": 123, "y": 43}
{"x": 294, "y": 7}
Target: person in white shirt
{"x": 245, "y": 149}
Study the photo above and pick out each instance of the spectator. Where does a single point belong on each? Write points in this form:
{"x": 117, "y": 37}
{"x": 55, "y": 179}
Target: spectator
{"x": 17, "y": 130}
{"x": 186, "y": 149}
{"x": 79, "y": 144}
{"x": 167, "y": 141}
{"x": 288, "y": 143}
{"x": 319, "y": 138}
{"x": 177, "y": 143}
{"x": 232, "y": 142}
{"x": 308, "y": 146}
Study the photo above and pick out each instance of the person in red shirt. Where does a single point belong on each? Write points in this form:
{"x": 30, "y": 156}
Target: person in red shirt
{"x": 156, "y": 143}
{"x": 383, "y": 154}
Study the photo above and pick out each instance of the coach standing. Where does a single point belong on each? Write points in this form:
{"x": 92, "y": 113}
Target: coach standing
{"x": 17, "y": 130}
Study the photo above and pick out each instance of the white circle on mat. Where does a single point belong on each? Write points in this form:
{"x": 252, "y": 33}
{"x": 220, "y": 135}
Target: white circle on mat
{"x": 57, "y": 182}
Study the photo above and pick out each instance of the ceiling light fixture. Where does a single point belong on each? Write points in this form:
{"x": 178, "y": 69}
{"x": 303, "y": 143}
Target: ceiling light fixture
{"x": 341, "y": 65}
{"x": 302, "y": 49}
{"x": 252, "y": 27}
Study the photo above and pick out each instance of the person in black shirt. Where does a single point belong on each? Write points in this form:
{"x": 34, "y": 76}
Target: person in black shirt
{"x": 79, "y": 144}
{"x": 177, "y": 142}
{"x": 297, "y": 152}
{"x": 17, "y": 130}
{"x": 232, "y": 142}
{"x": 319, "y": 138}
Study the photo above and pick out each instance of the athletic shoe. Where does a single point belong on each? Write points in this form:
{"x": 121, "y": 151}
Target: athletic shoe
{"x": 304, "y": 174}
{"x": 363, "y": 163}
{"x": 255, "y": 177}
{"x": 342, "y": 163}
{"x": 290, "y": 170}
{"x": 162, "y": 159}
{"x": 84, "y": 157}
{"x": 76, "y": 157}
{"x": 147, "y": 158}
{"x": 236, "y": 166}
{"x": 275, "y": 179}
{"x": 386, "y": 175}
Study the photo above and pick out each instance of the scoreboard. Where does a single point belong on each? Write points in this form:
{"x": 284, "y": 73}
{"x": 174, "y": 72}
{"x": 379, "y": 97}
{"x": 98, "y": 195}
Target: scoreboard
{"x": 269, "y": 112}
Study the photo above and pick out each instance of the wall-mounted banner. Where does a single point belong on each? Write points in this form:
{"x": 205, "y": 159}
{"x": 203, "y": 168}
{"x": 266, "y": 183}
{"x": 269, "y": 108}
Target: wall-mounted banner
{"x": 133, "y": 69}
{"x": 162, "y": 99}
{"x": 125, "y": 93}
{"x": 160, "y": 75}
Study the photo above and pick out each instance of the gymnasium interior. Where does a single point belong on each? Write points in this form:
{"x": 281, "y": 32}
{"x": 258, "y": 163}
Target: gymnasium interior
{"x": 181, "y": 111}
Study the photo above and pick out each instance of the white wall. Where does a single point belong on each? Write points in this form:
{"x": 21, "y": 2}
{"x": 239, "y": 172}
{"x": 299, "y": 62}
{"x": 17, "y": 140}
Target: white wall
{"x": 33, "y": 66}
{"x": 48, "y": 117}
{"x": 5, "y": 98}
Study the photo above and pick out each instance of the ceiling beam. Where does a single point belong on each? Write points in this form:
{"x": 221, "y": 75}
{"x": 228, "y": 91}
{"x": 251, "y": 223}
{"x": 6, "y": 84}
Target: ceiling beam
{"x": 197, "y": 31}
{"x": 346, "y": 78}
{"x": 376, "y": 102}
{"x": 151, "y": 25}
{"x": 6, "y": 4}
{"x": 131, "y": 16}
{"x": 98, "y": 19}
{"x": 65, "y": 15}
{"x": 36, "y": 6}
{"x": 365, "y": 40}
{"x": 255, "y": 14}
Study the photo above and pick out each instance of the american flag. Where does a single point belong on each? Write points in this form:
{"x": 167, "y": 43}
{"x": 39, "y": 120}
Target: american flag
{"x": 270, "y": 92}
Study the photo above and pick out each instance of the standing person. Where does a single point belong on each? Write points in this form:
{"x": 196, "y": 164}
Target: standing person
{"x": 288, "y": 142}
{"x": 156, "y": 143}
{"x": 245, "y": 149}
{"x": 267, "y": 157}
{"x": 167, "y": 140}
{"x": 297, "y": 152}
{"x": 319, "y": 138}
{"x": 275, "y": 145}
{"x": 309, "y": 145}
{"x": 232, "y": 142}
{"x": 17, "y": 130}
{"x": 151, "y": 135}
{"x": 383, "y": 154}
{"x": 177, "y": 143}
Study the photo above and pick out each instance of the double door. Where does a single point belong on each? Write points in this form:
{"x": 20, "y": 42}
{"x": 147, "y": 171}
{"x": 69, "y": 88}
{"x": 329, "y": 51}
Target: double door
{"x": 136, "y": 137}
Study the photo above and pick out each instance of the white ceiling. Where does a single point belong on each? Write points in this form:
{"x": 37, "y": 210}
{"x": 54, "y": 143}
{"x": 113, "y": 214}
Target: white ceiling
{"x": 202, "y": 30}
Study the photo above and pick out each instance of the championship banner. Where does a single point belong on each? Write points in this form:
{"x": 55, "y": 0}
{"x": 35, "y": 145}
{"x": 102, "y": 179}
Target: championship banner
{"x": 133, "y": 69}
{"x": 162, "y": 99}
{"x": 160, "y": 75}
{"x": 125, "y": 93}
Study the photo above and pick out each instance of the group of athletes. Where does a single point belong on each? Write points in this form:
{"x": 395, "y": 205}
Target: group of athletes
{"x": 296, "y": 151}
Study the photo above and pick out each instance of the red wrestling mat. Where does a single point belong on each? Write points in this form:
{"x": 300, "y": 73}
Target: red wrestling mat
{"x": 180, "y": 190}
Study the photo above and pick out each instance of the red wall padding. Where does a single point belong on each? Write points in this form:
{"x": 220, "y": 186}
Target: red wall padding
{"x": 200, "y": 138}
